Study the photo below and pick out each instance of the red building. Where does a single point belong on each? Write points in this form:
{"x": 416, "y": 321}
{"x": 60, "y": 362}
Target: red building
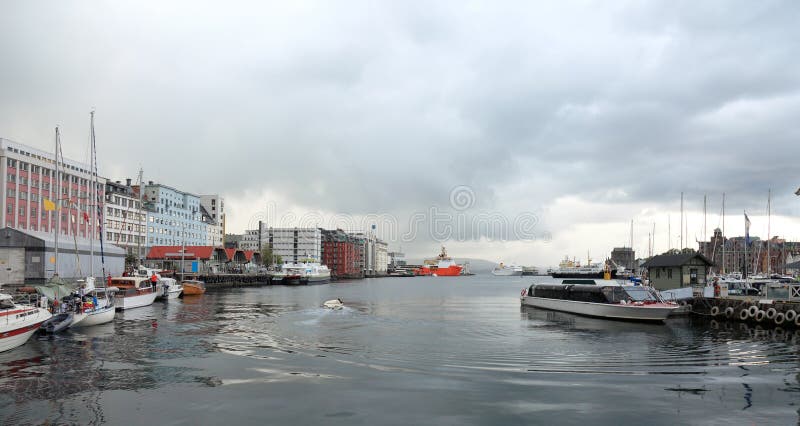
{"x": 340, "y": 254}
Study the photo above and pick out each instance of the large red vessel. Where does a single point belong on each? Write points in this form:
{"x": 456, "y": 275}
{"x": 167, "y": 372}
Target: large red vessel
{"x": 442, "y": 266}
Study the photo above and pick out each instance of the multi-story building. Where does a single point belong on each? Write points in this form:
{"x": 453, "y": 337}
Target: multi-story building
{"x": 174, "y": 217}
{"x": 756, "y": 256}
{"x": 125, "y": 219}
{"x": 373, "y": 257}
{"x": 339, "y": 253}
{"x": 291, "y": 244}
{"x": 214, "y": 206}
{"x": 37, "y": 199}
{"x": 625, "y": 257}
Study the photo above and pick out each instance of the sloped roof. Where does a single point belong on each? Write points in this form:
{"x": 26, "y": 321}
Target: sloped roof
{"x": 248, "y": 254}
{"x": 173, "y": 252}
{"x": 674, "y": 260}
{"x": 230, "y": 252}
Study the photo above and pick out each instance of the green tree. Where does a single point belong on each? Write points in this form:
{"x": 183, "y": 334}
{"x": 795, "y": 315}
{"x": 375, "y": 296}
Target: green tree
{"x": 131, "y": 261}
{"x": 268, "y": 258}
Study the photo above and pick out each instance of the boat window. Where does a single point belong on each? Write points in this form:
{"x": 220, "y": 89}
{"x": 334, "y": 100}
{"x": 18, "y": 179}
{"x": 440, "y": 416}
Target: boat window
{"x": 587, "y": 282}
{"x": 6, "y": 304}
{"x": 639, "y": 294}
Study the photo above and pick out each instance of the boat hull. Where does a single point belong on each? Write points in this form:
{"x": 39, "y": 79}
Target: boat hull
{"x": 507, "y": 272}
{"x": 630, "y": 312}
{"x": 192, "y": 290}
{"x": 131, "y": 302}
{"x": 17, "y": 337}
{"x": 97, "y": 317}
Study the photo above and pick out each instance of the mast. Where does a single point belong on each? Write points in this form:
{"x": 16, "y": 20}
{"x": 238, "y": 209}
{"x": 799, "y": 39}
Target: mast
{"x": 724, "y": 242}
{"x": 140, "y": 223}
{"x": 92, "y": 197}
{"x": 769, "y": 216}
{"x": 97, "y": 223}
{"x": 745, "y": 245}
{"x": 682, "y": 221}
{"x": 705, "y": 221}
{"x": 669, "y": 233}
{"x": 57, "y": 211}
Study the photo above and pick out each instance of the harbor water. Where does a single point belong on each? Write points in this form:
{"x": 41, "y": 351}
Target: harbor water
{"x": 446, "y": 350}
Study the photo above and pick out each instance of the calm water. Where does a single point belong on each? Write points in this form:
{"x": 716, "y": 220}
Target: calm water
{"x": 405, "y": 351}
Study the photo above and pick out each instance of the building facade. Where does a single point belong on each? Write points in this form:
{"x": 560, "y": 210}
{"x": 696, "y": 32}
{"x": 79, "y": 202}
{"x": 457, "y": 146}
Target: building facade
{"x": 737, "y": 255}
{"x": 291, "y": 244}
{"x": 174, "y": 217}
{"x": 625, "y": 257}
{"x": 125, "y": 219}
{"x": 339, "y": 253}
{"x": 214, "y": 207}
{"x": 670, "y": 271}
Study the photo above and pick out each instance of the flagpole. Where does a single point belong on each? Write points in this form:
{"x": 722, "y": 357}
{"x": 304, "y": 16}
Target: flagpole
{"x": 92, "y": 197}
{"x": 746, "y": 238}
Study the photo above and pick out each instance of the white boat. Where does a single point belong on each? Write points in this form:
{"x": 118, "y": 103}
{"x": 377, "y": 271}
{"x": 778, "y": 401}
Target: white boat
{"x": 134, "y": 292}
{"x": 168, "y": 288}
{"x": 611, "y": 301}
{"x": 98, "y": 307}
{"x": 304, "y": 273}
{"x": 18, "y": 322}
{"x": 507, "y": 270}
{"x": 334, "y": 304}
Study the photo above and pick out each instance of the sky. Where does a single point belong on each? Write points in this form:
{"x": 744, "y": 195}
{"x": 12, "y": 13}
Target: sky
{"x": 509, "y": 131}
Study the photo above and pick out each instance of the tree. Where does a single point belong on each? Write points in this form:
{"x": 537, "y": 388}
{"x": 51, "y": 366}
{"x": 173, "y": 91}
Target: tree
{"x": 131, "y": 260}
{"x": 268, "y": 258}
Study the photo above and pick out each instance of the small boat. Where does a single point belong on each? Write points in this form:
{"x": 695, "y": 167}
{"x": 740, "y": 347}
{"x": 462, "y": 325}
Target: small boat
{"x": 134, "y": 292}
{"x": 18, "y": 322}
{"x": 170, "y": 288}
{"x": 303, "y": 273}
{"x": 334, "y": 304}
{"x": 619, "y": 302}
{"x": 57, "y": 323}
{"x": 507, "y": 270}
{"x": 193, "y": 287}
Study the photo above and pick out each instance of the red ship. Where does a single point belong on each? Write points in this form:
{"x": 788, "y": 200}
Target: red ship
{"x": 442, "y": 266}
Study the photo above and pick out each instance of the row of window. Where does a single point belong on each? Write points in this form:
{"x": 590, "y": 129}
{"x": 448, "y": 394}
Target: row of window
{"x": 122, "y": 201}
{"x": 38, "y": 169}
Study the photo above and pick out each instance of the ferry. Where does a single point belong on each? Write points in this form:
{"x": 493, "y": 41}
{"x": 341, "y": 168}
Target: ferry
{"x": 604, "y": 299}
{"x": 18, "y": 322}
{"x": 573, "y": 269}
{"x": 507, "y": 270}
{"x": 442, "y": 266}
{"x": 303, "y": 273}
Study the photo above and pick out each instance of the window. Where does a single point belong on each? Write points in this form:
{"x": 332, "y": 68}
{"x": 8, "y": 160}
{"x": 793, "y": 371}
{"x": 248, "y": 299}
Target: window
{"x": 33, "y": 211}
{"x": 669, "y": 273}
{"x": 12, "y": 193}
{"x": 22, "y": 211}
{"x": 10, "y": 209}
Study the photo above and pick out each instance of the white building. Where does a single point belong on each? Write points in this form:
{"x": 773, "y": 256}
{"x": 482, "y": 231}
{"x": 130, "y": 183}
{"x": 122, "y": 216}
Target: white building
{"x": 214, "y": 207}
{"x": 374, "y": 258}
{"x": 124, "y": 219}
{"x": 174, "y": 217}
{"x": 291, "y": 244}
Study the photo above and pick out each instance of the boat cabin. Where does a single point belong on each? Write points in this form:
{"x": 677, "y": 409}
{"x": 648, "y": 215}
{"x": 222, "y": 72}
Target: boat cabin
{"x": 131, "y": 285}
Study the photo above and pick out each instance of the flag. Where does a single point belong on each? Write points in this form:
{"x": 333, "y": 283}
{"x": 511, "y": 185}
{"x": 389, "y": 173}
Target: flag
{"x": 86, "y": 217}
{"x": 49, "y": 205}
{"x": 797, "y": 192}
{"x": 746, "y": 229}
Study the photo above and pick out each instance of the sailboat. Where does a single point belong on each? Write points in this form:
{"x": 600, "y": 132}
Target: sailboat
{"x": 98, "y": 303}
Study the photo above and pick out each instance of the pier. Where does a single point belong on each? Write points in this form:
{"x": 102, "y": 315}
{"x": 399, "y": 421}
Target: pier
{"x": 780, "y": 307}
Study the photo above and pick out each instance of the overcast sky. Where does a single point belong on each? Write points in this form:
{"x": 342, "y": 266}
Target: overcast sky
{"x": 572, "y": 117}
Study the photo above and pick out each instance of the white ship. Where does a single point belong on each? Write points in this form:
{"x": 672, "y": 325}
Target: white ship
{"x": 134, "y": 292}
{"x": 18, "y": 322}
{"x": 507, "y": 270}
{"x": 303, "y": 273}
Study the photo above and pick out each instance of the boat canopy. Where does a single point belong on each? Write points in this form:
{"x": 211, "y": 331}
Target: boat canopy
{"x": 590, "y": 293}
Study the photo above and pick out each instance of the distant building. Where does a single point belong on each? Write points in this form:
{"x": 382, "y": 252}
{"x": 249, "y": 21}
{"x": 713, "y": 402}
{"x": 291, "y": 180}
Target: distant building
{"x": 291, "y": 244}
{"x": 729, "y": 254}
{"x": 625, "y": 257}
{"x": 373, "y": 254}
{"x": 214, "y": 206}
{"x": 669, "y": 271}
{"x": 232, "y": 240}
{"x": 339, "y": 253}
{"x": 396, "y": 259}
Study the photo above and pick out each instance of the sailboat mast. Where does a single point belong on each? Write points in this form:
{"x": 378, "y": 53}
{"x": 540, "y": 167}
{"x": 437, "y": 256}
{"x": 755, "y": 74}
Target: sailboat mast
{"x": 682, "y": 221}
{"x": 705, "y": 221}
{"x": 140, "y": 223}
{"x": 724, "y": 242}
{"x": 92, "y": 197}
{"x": 769, "y": 237}
{"x": 57, "y": 211}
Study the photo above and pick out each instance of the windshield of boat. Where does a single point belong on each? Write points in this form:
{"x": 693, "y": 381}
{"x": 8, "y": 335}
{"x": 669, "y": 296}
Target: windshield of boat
{"x": 640, "y": 294}
{"x": 6, "y": 303}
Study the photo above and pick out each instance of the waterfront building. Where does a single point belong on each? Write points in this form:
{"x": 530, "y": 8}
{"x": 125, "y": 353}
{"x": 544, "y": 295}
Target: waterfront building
{"x": 669, "y": 271}
{"x": 291, "y": 244}
{"x": 339, "y": 253}
{"x": 372, "y": 254}
{"x": 214, "y": 207}
{"x": 396, "y": 259}
{"x": 36, "y": 201}
{"x": 202, "y": 259}
{"x": 752, "y": 261}
{"x": 175, "y": 217}
{"x": 124, "y": 218}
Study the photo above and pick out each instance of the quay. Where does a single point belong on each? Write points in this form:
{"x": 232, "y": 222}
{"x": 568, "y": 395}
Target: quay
{"x": 767, "y": 312}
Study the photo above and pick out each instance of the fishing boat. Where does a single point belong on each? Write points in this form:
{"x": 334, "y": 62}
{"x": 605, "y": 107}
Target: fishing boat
{"x": 18, "y": 322}
{"x": 503, "y": 270}
{"x": 441, "y": 266}
{"x": 610, "y": 301}
{"x": 193, "y": 287}
{"x": 134, "y": 292}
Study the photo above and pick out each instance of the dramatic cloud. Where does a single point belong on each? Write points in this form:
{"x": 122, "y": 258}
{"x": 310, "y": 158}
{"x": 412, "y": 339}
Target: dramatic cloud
{"x": 583, "y": 114}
